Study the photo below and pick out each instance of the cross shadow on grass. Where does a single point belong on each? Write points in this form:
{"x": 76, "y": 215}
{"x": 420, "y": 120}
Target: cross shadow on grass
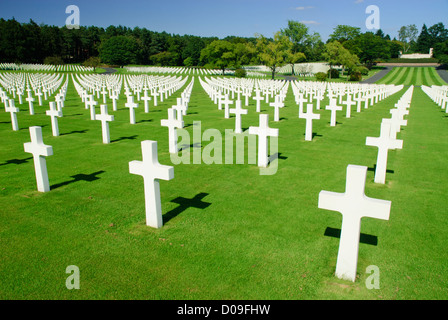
{"x": 184, "y": 204}
{"x": 79, "y": 177}
{"x": 374, "y": 169}
{"x": 363, "y": 238}
{"x": 73, "y": 132}
{"x": 275, "y": 156}
{"x": 125, "y": 138}
{"x": 16, "y": 161}
{"x": 193, "y": 145}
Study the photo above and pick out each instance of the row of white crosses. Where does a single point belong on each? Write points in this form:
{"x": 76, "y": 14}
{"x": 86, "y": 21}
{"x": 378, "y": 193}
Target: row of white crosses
{"x": 219, "y": 89}
{"x": 87, "y": 85}
{"x": 305, "y": 92}
{"x": 45, "y": 67}
{"x": 438, "y": 94}
{"x": 175, "y": 117}
{"x": 175, "y": 70}
{"x": 353, "y": 204}
{"x": 13, "y": 109}
{"x": 387, "y": 139}
{"x": 263, "y": 131}
{"x": 149, "y": 168}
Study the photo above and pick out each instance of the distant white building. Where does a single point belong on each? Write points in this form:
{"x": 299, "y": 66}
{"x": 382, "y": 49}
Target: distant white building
{"x": 417, "y": 55}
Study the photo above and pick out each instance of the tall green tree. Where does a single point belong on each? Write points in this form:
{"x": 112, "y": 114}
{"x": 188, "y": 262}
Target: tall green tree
{"x": 274, "y": 53}
{"x": 336, "y": 54}
{"x": 119, "y": 50}
{"x": 342, "y": 33}
{"x": 407, "y": 35}
{"x": 372, "y": 47}
{"x": 219, "y": 54}
{"x": 424, "y": 40}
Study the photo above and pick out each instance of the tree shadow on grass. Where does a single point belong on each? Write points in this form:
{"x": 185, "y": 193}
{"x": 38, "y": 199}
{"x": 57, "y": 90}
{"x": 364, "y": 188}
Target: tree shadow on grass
{"x": 184, "y": 204}
{"x": 79, "y": 177}
{"x": 363, "y": 238}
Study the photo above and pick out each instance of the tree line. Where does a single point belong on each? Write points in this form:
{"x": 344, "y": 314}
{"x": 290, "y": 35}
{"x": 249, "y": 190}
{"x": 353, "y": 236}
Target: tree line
{"x": 120, "y": 45}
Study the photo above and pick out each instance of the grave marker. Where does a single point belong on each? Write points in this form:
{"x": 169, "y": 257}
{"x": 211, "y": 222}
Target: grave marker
{"x": 54, "y": 113}
{"x": 384, "y": 142}
{"x": 263, "y": 132}
{"x": 131, "y": 105}
{"x": 151, "y": 171}
{"x": 172, "y": 123}
{"x": 105, "y": 118}
{"x": 39, "y": 151}
{"x": 353, "y": 205}
{"x": 238, "y": 111}
{"x": 309, "y": 116}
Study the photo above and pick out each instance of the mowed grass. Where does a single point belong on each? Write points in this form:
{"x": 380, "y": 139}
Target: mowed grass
{"x": 229, "y": 232}
{"x": 416, "y": 76}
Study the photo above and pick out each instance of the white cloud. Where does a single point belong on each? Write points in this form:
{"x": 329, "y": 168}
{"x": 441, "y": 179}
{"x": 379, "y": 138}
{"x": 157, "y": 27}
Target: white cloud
{"x": 309, "y": 22}
{"x": 303, "y": 8}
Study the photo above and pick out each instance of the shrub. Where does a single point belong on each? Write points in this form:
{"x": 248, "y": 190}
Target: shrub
{"x": 321, "y": 76}
{"x": 364, "y": 71}
{"x": 355, "y": 76}
{"x": 240, "y": 73}
{"x": 334, "y": 73}
{"x": 53, "y": 60}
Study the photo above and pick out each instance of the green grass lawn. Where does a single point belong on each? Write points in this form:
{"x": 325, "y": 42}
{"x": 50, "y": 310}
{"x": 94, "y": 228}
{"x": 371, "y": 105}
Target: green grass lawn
{"x": 413, "y": 76}
{"x": 257, "y": 237}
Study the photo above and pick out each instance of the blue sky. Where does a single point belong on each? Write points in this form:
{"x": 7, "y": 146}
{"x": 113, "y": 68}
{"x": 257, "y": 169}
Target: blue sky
{"x": 230, "y": 17}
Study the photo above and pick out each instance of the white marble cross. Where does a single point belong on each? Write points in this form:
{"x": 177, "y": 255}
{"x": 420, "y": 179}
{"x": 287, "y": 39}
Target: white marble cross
{"x": 353, "y": 205}
{"x": 131, "y": 105}
{"x": 358, "y": 99}
{"x": 105, "y": 118}
{"x": 383, "y": 143}
{"x": 172, "y": 123}
{"x": 146, "y": 98}
{"x": 30, "y": 100}
{"x": 59, "y": 101}
{"x": 12, "y": 109}
{"x": 349, "y": 102}
{"x": 300, "y": 100}
{"x": 104, "y": 93}
{"x": 333, "y": 107}
{"x": 238, "y": 111}
{"x": 277, "y": 104}
{"x": 246, "y": 95}
{"x": 309, "y": 116}
{"x": 39, "y": 151}
{"x": 114, "y": 98}
{"x": 39, "y": 96}
{"x": 155, "y": 94}
{"x": 263, "y": 132}
{"x": 91, "y": 103}
{"x": 54, "y": 113}
{"x": 151, "y": 171}
{"x": 227, "y": 104}
{"x": 180, "y": 106}
{"x": 258, "y": 98}
{"x": 396, "y": 121}
{"x": 219, "y": 97}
